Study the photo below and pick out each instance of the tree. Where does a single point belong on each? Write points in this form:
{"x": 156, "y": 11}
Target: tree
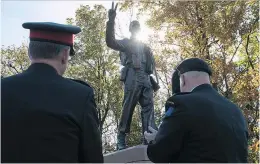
{"x": 14, "y": 60}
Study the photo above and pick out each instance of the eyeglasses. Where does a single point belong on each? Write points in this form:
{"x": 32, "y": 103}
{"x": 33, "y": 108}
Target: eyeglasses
{"x": 72, "y": 52}
{"x": 179, "y": 73}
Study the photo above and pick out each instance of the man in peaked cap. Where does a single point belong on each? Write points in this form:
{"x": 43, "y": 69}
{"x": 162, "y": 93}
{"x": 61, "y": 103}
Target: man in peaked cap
{"x": 45, "y": 117}
{"x": 199, "y": 125}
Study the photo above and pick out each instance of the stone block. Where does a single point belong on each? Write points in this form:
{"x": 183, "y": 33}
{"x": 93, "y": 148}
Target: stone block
{"x": 136, "y": 154}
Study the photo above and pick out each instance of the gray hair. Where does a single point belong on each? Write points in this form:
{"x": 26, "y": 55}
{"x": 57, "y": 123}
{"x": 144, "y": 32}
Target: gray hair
{"x": 195, "y": 75}
{"x": 45, "y": 50}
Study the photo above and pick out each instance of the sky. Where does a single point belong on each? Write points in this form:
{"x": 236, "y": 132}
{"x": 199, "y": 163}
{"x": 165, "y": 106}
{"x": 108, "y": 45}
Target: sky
{"x": 15, "y": 13}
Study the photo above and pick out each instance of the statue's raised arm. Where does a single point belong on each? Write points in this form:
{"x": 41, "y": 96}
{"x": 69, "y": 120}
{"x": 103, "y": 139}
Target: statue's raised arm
{"x": 110, "y": 31}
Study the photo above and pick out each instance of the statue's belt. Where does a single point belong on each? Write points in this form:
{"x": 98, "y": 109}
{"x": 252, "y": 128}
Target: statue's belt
{"x": 136, "y": 69}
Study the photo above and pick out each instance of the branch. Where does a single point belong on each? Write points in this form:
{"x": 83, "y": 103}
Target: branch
{"x": 168, "y": 43}
{"x": 105, "y": 129}
{"x": 158, "y": 3}
{"x": 235, "y": 52}
{"x": 99, "y": 79}
{"x": 106, "y": 112}
{"x": 165, "y": 76}
{"x": 257, "y": 39}
{"x": 247, "y": 43}
{"x": 249, "y": 59}
{"x": 121, "y": 35}
{"x": 11, "y": 66}
{"x": 215, "y": 41}
{"x": 224, "y": 74}
{"x": 161, "y": 80}
{"x": 21, "y": 67}
{"x": 237, "y": 76}
{"x": 99, "y": 113}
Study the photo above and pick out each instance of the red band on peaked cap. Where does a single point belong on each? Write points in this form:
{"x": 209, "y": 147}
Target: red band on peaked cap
{"x": 62, "y": 37}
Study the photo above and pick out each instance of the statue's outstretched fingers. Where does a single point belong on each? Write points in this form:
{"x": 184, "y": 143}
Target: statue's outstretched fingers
{"x": 112, "y": 5}
{"x": 116, "y": 6}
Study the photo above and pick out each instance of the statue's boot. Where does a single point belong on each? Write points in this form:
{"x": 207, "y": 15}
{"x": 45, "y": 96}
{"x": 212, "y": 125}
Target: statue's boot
{"x": 121, "y": 141}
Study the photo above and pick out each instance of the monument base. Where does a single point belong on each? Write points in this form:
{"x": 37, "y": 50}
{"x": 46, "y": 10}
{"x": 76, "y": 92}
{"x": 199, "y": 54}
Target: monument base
{"x": 136, "y": 154}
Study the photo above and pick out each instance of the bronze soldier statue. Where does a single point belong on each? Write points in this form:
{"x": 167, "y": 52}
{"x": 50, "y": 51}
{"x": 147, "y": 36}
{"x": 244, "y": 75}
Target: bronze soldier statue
{"x": 138, "y": 62}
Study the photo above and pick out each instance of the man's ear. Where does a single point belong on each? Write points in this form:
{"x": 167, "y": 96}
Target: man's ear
{"x": 182, "y": 80}
{"x": 29, "y": 54}
{"x": 65, "y": 55}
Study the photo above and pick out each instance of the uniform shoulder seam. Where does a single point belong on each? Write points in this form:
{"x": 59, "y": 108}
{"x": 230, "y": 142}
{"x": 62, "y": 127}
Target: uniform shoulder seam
{"x": 80, "y": 82}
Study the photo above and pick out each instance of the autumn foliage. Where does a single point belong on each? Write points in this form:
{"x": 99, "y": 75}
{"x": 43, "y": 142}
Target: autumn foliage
{"x": 224, "y": 33}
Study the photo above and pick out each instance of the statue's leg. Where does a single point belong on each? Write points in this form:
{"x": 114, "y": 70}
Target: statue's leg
{"x": 147, "y": 113}
{"x": 131, "y": 95}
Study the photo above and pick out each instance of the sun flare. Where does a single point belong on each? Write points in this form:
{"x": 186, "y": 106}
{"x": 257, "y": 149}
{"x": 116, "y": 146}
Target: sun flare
{"x": 144, "y": 34}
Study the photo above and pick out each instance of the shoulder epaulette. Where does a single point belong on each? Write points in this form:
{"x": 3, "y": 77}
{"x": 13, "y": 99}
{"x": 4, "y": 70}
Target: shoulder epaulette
{"x": 181, "y": 93}
{"x": 171, "y": 100}
{"x": 81, "y": 82}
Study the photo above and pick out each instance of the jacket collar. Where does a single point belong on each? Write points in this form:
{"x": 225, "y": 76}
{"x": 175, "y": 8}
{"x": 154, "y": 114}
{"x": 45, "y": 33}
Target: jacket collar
{"x": 202, "y": 87}
{"x": 42, "y": 68}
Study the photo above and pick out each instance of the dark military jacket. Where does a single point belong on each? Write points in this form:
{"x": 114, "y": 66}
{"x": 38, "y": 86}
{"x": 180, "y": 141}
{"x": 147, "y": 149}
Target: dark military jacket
{"x": 200, "y": 126}
{"x": 47, "y": 118}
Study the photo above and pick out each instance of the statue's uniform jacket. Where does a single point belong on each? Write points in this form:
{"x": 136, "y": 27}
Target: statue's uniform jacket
{"x": 138, "y": 61}
{"x": 48, "y": 118}
{"x": 200, "y": 126}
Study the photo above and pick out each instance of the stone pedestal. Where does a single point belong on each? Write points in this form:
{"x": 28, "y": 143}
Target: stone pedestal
{"x": 136, "y": 154}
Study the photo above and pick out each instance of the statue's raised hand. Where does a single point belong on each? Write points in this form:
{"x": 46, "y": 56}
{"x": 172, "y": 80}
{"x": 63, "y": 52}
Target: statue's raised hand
{"x": 112, "y": 12}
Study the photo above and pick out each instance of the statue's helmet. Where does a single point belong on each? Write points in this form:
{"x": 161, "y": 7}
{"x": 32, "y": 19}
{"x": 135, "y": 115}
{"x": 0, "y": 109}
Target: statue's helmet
{"x": 134, "y": 26}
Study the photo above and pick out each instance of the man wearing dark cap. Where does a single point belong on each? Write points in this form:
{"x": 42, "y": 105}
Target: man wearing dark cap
{"x": 46, "y": 117}
{"x": 138, "y": 62}
{"x": 200, "y": 125}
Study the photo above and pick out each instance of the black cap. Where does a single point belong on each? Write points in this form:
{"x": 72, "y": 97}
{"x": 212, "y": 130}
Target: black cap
{"x": 175, "y": 82}
{"x": 52, "y": 32}
{"x": 193, "y": 64}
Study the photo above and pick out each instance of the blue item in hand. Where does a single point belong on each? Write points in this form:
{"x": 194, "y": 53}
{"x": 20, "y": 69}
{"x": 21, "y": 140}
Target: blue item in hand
{"x": 169, "y": 111}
